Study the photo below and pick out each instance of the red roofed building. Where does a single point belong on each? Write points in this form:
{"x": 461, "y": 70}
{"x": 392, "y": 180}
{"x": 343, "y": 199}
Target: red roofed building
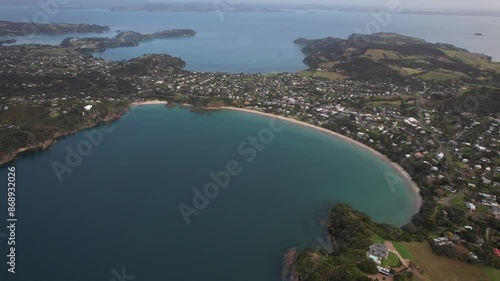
{"x": 496, "y": 252}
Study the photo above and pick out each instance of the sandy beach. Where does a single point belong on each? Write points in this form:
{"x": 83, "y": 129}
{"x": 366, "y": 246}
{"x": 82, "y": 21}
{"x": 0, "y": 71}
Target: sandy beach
{"x": 151, "y": 102}
{"x": 414, "y": 187}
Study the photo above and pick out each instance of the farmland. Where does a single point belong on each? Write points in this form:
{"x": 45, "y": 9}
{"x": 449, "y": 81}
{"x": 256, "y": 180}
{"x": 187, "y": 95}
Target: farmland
{"x": 437, "y": 268}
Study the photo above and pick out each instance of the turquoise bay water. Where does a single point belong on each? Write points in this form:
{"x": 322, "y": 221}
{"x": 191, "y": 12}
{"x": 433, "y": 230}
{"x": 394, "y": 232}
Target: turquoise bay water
{"x": 260, "y": 42}
{"x": 119, "y": 207}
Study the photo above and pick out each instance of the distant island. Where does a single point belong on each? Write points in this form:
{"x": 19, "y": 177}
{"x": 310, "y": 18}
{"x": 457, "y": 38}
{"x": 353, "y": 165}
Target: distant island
{"x": 8, "y": 28}
{"x": 240, "y": 6}
{"x": 478, "y": 34}
{"x": 8, "y": 41}
{"x": 198, "y": 7}
{"x": 122, "y": 39}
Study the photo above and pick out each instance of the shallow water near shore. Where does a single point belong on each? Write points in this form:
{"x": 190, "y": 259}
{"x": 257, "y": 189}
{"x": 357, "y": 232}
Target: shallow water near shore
{"x": 119, "y": 208}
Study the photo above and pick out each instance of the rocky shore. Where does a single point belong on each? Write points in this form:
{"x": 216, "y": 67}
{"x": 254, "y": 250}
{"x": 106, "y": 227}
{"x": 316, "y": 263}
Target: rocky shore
{"x": 288, "y": 272}
{"x": 44, "y": 145}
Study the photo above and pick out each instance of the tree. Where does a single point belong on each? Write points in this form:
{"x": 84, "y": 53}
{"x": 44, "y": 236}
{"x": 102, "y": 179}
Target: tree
{"x": 368, "y": 267}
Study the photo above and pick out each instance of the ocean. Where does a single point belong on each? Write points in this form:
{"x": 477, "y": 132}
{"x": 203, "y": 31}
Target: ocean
{"x": 109, "y": 199}
{"x": 258, "y": 42}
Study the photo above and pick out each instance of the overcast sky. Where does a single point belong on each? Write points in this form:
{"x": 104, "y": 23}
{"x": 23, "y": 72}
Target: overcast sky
{"x": 409, "y": 4}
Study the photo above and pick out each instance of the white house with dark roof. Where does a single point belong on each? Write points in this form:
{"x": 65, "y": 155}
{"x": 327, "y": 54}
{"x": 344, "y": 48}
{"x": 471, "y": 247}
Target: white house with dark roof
{"x": 378, "y": 250}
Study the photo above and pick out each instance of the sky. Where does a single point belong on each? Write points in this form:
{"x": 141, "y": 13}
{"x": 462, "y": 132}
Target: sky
{"x": 408, "y": 4}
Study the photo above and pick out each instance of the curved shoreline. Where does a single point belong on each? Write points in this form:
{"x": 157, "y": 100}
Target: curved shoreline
{"x": 46, "y": 144}
{"x": 415, "y": 190}
{"x": 414, "y": 187}
{"x": 151, "y": 102}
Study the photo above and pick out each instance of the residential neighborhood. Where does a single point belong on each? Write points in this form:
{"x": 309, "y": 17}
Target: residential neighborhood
{"x": 450, "y": 150}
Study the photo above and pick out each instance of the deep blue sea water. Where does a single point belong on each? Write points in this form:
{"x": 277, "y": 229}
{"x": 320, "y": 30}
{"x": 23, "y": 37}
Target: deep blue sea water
{"x": 259, "y": 42}
{"x": 119, "y": 208}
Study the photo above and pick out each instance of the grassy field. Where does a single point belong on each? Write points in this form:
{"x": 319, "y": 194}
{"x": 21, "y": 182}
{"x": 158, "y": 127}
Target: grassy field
{"x": 493, "y": 273}
{"x": 482, "y": 209}
{"x": 403, "y": 250}
{"x": 377, "y": 54}
{"x": 463, "y": 90}
{"x": 391, "y": 261}
{"x": 473, "y": 59}
{"x": 377, "y": 238}
{"x": 437, "y": 268}
{"x": 458, "y": 200}
{"x": 411, "y": 71}
{"x": 442, "y": 75}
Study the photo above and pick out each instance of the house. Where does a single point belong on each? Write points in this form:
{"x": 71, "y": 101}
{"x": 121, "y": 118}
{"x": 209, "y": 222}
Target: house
{"x": 360, "y": 135}
{"x": 486, "y": 181}
{"x": 411, "y": 121}
{"x": 450, "y": 189}
{"x": 470, "y": 206}
{"x": 379, "y": 250}
{"x": 441, "y": 241}
{"x": 489, "y": 196}
{"x": 479, "y": 241}
{"x": 472, "y": 256}
{"x": 496, "y": 252}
